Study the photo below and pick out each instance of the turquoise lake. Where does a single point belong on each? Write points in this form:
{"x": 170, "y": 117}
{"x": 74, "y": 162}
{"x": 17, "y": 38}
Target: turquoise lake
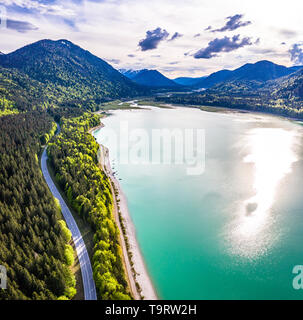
{"x": 236, "y": 230}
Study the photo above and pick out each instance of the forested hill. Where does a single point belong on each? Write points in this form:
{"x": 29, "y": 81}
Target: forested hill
{"x": 290, "y": 87}
{"x": 61, "y": 73}
{"x": 19, "y": 92}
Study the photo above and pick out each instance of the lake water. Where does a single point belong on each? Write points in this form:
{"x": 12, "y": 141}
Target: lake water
{"x": 232, "y": 232}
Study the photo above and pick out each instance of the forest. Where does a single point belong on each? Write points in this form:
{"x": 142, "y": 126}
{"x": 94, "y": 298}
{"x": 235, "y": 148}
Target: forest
{"x": 73, "y": 156}
{"x": 284, "y": 107}
{"x": 34, "y": 240}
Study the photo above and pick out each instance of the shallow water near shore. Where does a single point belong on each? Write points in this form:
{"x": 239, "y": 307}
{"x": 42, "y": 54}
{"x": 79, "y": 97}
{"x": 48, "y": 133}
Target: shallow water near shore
{"x": 233, "y": 232}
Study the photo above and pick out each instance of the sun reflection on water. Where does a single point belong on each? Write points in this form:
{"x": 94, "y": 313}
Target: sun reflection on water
{"x": 271, "y": 152}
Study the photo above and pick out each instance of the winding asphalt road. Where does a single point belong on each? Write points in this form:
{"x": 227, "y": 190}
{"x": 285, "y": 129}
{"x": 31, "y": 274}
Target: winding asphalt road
{"x": 85, "y": 265}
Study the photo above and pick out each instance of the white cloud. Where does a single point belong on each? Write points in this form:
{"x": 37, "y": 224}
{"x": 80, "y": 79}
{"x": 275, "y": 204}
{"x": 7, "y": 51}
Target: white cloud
{"x": 113, "y": 29}
{"x": 42, "y": 8}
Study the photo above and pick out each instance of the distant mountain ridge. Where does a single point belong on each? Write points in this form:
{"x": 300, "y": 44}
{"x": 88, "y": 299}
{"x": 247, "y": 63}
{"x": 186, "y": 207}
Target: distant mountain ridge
{"x": 285, "y": 87}
{"x": 188, "y": 81}
{"x": 262, "y": 87}
{"x": 150, "y": 78}
{"x": 261, "y": 71}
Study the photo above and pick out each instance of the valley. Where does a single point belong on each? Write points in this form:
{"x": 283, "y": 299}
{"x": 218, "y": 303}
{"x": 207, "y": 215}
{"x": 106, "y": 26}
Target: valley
{"x": 50, "y": 82}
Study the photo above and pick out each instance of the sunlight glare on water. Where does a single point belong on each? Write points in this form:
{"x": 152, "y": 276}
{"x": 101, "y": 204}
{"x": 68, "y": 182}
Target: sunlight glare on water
{"x": 271, "y": 152}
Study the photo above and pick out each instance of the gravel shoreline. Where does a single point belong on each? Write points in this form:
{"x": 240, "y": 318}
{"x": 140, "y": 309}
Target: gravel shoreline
{"x": 141, "y": 276}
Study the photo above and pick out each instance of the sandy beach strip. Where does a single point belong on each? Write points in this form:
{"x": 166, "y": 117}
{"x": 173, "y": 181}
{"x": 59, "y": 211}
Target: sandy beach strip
{"x": 141, "y": 274}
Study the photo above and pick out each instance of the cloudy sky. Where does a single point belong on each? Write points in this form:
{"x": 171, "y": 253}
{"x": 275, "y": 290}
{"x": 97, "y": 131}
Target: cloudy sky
{"x": 177, "y": 37}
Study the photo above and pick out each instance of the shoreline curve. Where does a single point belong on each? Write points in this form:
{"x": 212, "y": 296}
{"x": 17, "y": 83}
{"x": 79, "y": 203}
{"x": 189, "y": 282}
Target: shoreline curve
{"x": 142, "y": 276}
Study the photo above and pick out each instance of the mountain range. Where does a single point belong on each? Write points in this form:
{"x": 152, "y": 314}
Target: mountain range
{"x": 287, "y": 86}
{"x": 150, "y": 78}
{"x": 262, "y": 87}
{"x": 51, "y": 73}
{"x": 261, "y": 71}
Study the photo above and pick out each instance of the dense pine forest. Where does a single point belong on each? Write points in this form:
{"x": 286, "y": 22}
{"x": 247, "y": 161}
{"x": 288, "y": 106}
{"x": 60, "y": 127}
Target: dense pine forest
{"x": 73, "y": 155}
{"x": 34, "y": 241}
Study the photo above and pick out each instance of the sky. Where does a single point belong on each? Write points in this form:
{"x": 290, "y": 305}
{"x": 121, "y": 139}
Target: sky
{"x": 177, "y": 37}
